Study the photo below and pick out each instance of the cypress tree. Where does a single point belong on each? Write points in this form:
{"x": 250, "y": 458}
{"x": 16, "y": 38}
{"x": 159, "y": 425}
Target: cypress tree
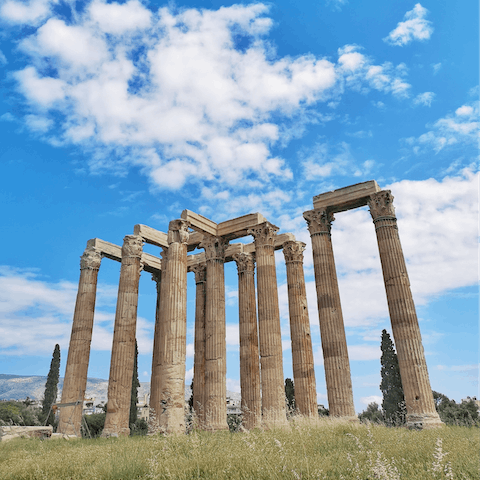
{"x": 134, "y": 395}
{"x": 393, "y": 404}
{"x": 290, "y": 394}
{"x": 51, "y": 387}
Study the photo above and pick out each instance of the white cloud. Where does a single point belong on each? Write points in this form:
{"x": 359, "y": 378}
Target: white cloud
{"x": 3, "y": 58}
{"x": 457, "y": 368}
{"x": 360, "y": 73}
{"x": 118, "y": 18}
{"x": 424, "y": 99}
{"x": 436, "y": 67}
{"x": 364, "y": 352}
{"x": 414, "y": 27}
{"x": 30, "y": 13}
{"x": 174, "y": 95}
{"x": 38, "y": 123}
{"x": 460, "y": 127}
{"x": 36, "y": 314}
{"x": 372, "y": 399}
{"x": 325, "y": 160}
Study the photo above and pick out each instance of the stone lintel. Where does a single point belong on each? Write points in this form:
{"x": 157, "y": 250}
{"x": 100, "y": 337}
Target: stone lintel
{"x": 237, "y": 227}
{"x": 346, "y": 198}
{"x": 200, "y": 223}
{"x": 150, "y": 235}
{"x": 151, "y": 263}
{"x": 234, "y": 248}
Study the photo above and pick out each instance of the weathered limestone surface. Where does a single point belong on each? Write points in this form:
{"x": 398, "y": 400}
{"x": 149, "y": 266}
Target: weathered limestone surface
{"x": 199, "y": 359}
{"x": 346, "y": 198}
{"x": 156, "y": 379}
{"x": 302, "y": 352}
{"x": 11, "y": 432}
{"x": 170, "y": 410}
{"x": 332, "y": 330}
{"x": 79, "y": 349}
{"x": 249, "y": 356}
{"x": 421, "y": 410}
{"x": 270, "y": 337}
{"x": 215, "y": 330}
{"x": 123, "y": 348}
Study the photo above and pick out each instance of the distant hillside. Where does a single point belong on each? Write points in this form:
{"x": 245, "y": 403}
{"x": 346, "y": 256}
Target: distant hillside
{"x": 18, "y": 387}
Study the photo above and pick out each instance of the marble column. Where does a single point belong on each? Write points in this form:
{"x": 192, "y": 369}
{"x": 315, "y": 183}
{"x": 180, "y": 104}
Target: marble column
{"x": 75, "y": 381}
{"x": 123, "y": 348}
{"x": 302, "y": 352}
{"x": 249, "y": 355}
{"x": 270, "y": 336}
{"x": 332, "y": 330}
{"x": 215, "y": 342}
{"x": 156, "y": 380}
{"x": 172, "y": 348}
{"x": 199, "y": 358}
{"x": 421, "y": 410}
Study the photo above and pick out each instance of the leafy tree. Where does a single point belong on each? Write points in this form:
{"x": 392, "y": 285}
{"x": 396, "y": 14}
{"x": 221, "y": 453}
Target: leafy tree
{"x": 393, "y": 404}
{"x": 290, "y": 394}
{"x": 18, "y": 413}
{"x": 322, "y": 411}
{"x": 190, "y": 400}
{"x": 372, "y": 414}
{"x": 51, "y": 388}
{"x": 234, "y": 422}
{"x": 452, "y": 413}
{"x": 92, "y": 425}
{"x": 134, "y": 394}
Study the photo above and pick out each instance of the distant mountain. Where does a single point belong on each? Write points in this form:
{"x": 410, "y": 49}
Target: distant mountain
{"x": 18, "y": 387}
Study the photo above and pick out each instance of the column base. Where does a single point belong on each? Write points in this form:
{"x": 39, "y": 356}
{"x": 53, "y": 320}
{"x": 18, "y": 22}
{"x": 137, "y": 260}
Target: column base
{"x": 123, "y": 432}
{"x": 420, "y": 421}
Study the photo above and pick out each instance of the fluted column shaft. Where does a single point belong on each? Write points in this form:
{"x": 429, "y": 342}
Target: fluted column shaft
{"x": 249, "y": 355}
{"x": 123, "y": 348}
{"x": 156, "y": 380}
{"x": 302, "y": 351}
{"x": 332, "y": 330}
{"x": 270, "y": 336}
{"x": 75, "y": 381}
{"x": 172, "y": 348}
{"x": 199, "y": 358}
{"x": 421, "y": 410}
{"x": 215, "y": 331}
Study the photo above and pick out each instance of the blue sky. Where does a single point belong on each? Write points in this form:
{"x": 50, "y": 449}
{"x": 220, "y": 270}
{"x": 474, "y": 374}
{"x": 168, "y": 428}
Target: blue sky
{"x": 114, "y": 114}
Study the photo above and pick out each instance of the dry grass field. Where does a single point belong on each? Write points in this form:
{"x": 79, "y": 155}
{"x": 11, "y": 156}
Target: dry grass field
{"x": 327, "y": 449}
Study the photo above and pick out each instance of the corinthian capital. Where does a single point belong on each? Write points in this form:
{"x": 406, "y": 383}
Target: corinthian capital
{"x": 381, "y": 204}
{"x": 293, "y": 252}
{"x": 214, "y": 247}
{"x": 91, "y": 258}
{"x": 319, "y": 221}
{"x": 178, "y": 231}
{"x": 132, "y": 246}
{"x": 200, "y": 271}
{"x": 245, "y": 262}
{"x": 264, "y": 234}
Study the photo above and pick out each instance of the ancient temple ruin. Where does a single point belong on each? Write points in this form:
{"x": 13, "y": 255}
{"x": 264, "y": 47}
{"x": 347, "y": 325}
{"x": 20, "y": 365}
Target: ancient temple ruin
{"x": 261, "y": 362}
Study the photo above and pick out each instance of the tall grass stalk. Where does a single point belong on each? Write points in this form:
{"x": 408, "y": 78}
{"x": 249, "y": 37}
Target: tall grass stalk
{"x": 320, "y": 449}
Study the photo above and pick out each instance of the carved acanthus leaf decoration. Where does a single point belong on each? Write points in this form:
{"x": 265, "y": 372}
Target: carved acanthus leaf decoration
{"x": 200, "y": 271}
{"x": 91, "y": 259}
{"x": 214, "y": 247}
{"x": 245, "y": 262}
{"x": 319, "y": 221}
{"x": 178, "y": 231}
{"x": 132, "y": 246}
{"x": 293, "y": 252}
{"x": 264, "y": 234}
{"x": 381, "y": 204}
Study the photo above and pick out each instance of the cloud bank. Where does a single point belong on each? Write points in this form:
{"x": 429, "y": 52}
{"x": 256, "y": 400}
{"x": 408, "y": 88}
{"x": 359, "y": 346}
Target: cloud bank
{"x": 185, "y": 96}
